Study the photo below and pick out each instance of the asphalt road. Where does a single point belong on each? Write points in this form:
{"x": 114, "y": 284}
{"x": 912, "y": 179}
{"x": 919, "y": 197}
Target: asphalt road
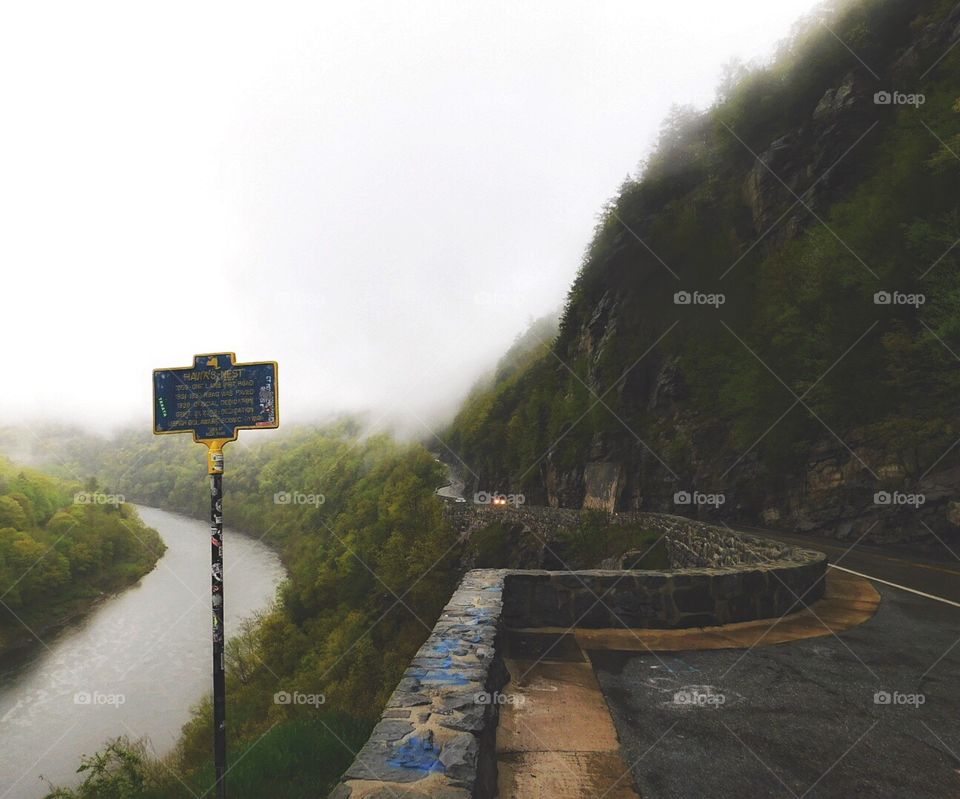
{"x": 939, "y": 578}
{"x": 453, "y": 489}
{"x": 799, "y": 719}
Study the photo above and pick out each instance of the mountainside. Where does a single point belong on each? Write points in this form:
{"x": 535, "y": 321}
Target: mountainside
{"x": 767, "y": 321}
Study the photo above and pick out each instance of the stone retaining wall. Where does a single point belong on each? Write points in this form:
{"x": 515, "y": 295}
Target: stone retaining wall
{"x": 661, "y": 599}
{"x": 690, "y": 543}
{"x": 436, "y": 737}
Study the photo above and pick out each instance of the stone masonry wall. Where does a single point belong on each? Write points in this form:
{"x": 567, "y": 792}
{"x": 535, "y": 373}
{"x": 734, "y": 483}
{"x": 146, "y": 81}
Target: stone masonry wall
{"x": 695, "y": 544}
{"x": 661, "y": 599}
{"x": 436, "y": 737}
{"x": 690, "y": 543}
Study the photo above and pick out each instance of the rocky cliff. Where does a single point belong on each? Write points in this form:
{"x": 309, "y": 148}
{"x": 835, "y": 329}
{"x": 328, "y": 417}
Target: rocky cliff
{"x": 766, "y": 324}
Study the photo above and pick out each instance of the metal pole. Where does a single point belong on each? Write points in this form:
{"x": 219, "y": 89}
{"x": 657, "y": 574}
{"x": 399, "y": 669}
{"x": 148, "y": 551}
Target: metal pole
{"x": 215, "y": 469}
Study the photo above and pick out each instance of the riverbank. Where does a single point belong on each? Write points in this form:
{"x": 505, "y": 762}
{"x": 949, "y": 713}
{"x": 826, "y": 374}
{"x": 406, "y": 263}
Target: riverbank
{"x": 141, "y": 655}
{"x": 63, "y": 550}
{"x": 18, "y": 637}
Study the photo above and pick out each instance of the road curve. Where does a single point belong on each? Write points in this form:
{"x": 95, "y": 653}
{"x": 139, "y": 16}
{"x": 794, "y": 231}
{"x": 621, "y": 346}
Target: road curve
{"x": 888, "y": 564}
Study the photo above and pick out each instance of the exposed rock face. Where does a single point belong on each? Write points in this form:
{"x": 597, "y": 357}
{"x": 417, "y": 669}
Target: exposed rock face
{"x": 808, "y": 164}
{"x": 836, "y": 102}
{"x": 564, "y": 488}
{"x": 669, "y": 385}
{"x": 931, "y": 37}
{"x": 836, "y": 490}
{"x": 603, "y": 481}
{"x": 788, "y": 180}
{"x": 600, "y": 328}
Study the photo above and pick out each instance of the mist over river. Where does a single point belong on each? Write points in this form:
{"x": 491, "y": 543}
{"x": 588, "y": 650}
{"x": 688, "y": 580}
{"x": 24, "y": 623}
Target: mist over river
{"x": 132, "y": 666}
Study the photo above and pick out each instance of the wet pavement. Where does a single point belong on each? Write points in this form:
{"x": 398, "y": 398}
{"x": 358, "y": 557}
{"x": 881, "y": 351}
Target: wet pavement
{"x": 871, "y": 711}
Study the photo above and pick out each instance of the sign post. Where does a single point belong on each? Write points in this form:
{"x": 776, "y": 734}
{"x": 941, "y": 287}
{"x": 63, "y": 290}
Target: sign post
{"x": 213, "y": 400}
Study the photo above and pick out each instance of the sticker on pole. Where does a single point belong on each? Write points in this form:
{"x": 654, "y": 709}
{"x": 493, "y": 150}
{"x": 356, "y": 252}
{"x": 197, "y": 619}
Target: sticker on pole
{"x": 215, "y": 397}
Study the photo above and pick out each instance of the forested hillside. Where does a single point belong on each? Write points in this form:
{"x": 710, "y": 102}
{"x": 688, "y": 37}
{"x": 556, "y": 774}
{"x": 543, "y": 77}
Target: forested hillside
{"x": 372, "y": 558}
{"x": 62, "y": 544}
{"x": 371, "y": 562}
{"x": 771, "y": 309}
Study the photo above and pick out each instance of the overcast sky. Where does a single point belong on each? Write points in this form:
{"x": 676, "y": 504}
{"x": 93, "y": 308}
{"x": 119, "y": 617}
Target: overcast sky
{"x": 377, "y": 195}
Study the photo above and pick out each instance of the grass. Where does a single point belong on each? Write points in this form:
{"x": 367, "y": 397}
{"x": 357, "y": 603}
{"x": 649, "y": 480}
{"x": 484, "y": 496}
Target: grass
{"x": 492, "y": 547}
{"x": 304, "y": 756}
{"x": 297, "y": 758}
{"x": 597, "y": 539}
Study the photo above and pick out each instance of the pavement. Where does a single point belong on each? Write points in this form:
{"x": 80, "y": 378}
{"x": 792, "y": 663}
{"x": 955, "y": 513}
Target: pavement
{"x": 939, "y": 578}
{"x": 856, "y": 696}
{"x": 556, "y": 737}
{"x": 872, "y": 711}
{"x": 453, "y": 489}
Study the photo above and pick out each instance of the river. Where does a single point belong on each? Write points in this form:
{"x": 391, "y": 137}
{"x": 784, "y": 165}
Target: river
{"x": 141, "y": 658}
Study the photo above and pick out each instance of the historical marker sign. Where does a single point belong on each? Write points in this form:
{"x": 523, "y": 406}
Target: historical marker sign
{"x": 215, "y": 397}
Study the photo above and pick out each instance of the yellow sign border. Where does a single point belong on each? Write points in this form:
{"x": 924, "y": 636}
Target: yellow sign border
{"x": 219, "y": 441}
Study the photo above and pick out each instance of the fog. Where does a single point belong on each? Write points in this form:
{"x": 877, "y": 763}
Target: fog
{"x": 379, "y": 196}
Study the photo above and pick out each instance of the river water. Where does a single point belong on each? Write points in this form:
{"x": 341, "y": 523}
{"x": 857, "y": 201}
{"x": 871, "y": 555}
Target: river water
{"x": 134, "y": 665}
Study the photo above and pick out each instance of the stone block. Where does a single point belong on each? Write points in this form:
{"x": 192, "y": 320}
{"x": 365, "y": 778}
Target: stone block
{"x": 459, "y": 759}
{"x": 696, "y": 598}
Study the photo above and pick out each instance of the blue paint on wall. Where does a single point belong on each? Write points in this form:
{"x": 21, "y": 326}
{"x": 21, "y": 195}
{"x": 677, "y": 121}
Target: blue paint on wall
{"x": 435, "y": 677}
{"x": 417, "y": 753}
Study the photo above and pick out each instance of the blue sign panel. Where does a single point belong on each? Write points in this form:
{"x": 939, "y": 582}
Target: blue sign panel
{"x": 215, "y": 397}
